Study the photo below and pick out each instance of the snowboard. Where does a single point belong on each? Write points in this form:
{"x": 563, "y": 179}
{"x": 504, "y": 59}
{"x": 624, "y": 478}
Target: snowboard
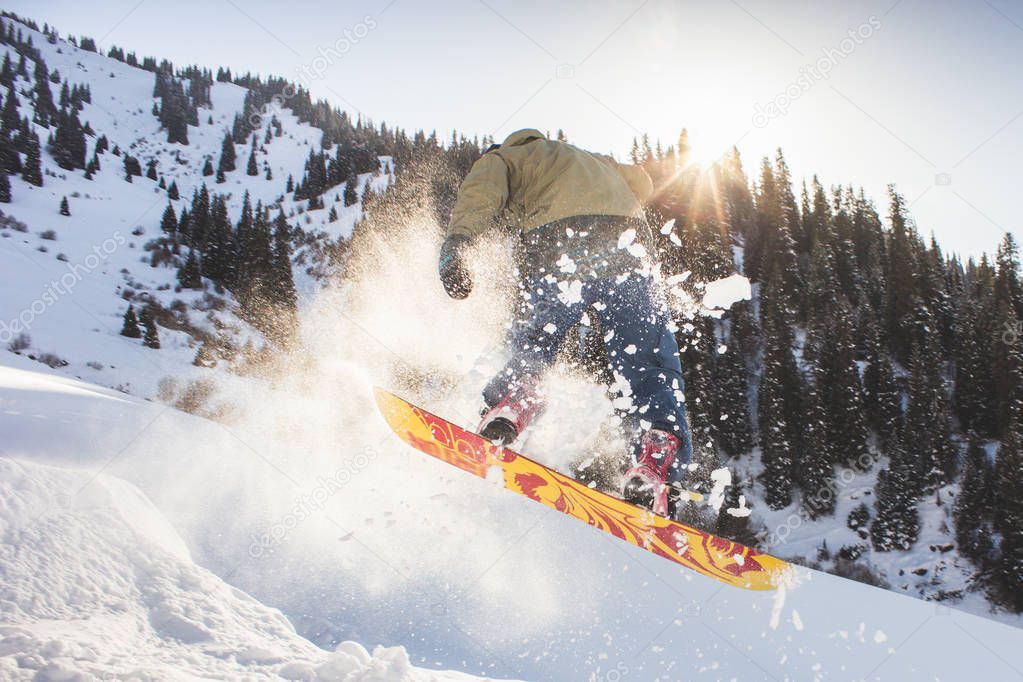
{"x": 718, "y": 558}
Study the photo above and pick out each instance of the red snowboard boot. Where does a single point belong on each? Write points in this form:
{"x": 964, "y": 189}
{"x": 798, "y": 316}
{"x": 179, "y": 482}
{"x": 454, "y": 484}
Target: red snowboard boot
{"x": 506, "y": 420}
{"x": 646, "y": 483}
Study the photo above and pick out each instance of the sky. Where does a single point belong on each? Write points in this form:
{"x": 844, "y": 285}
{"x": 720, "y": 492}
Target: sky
{"x": 922, "y": 94}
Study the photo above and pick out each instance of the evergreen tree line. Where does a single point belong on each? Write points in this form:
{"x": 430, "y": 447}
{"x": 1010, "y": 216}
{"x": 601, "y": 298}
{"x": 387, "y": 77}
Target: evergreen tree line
{"x": 250, "y": 257}
{"x": 869, "y": 343}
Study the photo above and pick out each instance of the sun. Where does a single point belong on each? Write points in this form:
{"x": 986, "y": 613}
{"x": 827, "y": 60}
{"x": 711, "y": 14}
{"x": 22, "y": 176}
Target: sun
{"x": 702, "y": 148}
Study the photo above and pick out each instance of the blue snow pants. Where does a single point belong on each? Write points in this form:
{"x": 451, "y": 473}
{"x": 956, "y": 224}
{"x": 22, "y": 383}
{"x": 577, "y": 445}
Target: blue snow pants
{"x": 641, "y": 349}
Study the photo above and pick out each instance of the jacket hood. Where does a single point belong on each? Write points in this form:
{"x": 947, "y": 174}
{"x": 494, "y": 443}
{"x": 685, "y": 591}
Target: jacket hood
{"x": 522, "y": 137}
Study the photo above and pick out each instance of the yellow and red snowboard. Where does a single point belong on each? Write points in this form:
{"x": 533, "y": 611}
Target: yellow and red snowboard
{"x": 708, "y": 554}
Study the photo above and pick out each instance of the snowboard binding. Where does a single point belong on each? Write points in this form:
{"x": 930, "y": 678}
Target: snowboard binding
{"x": 504, "y": 422}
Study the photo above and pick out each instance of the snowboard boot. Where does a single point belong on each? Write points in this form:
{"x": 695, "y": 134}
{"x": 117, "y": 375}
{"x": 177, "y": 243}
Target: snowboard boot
{"x": 505, "y": 421}
{"x": 646, "y": 483}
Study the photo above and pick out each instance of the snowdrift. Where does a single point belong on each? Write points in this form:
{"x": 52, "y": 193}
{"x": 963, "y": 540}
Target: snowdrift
{"x": 95, "y": 582}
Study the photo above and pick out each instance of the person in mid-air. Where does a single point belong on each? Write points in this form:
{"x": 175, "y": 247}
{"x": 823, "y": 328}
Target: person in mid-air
{"x": 584, "y": 244}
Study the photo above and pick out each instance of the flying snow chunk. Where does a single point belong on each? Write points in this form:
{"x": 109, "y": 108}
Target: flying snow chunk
{"x": 722, "y": 478}
{"x": 679, "y": 278}
{"x": 630, "y": 349}
{"x": 880, "y": 637}
{"x": 742, "y": 510}
{"x": 570, "y": 293}
{"x": 797, "y": 622}
{"x": 626, "y": 238}
{"x": 668, "y": 226}
{"x": 610, "y": 335}
{"x": 637, "y": 250}
{"x": 723, "y": 293}
{"x": 674, "y": 239}
{"x": 566, "y": 264}
{"x": 550, "y": 327}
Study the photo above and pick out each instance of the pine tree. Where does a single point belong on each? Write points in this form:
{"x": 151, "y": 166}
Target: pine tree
{"x": 732, "y": 416}
{"x": 173, "y": 192}
{"x": 902, "y": 301}
{"x": 816, "y": 471}
{"x": 227, "y": 154}
{"x": 32, "y": 171}
{"x": 1009, "y": 516}
{"x": 927, "y": 438}
{"x": 5, "y": 188}
{"x": 351, "y": 193}
{"x": 975, "y": 333}
{"x": 151, "y": 337}
{"x": 1008, "y": 492}
{"x": 779, "y": 409}
{"x": 897, "y": 522}
{"x": 283, "y": 284}
{"x": 882, "y": 398}
{"x": 65, "y": 210}
{"x": 840, "y": 389}
{"x": 169, "y": 220}
{"x": 972, "y": 511}
{"x": 332, "y": 216}
{"x": 130, "y": 328}
{"x": 207, "y": 168}
{"x": 190, "y": 273}
{"x": 252, "y": 168}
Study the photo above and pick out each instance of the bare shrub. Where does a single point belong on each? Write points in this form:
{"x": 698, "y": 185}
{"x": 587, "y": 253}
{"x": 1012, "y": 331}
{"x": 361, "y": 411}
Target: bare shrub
{"x": 19, "y": 343}
{"x": 52, "y": 360}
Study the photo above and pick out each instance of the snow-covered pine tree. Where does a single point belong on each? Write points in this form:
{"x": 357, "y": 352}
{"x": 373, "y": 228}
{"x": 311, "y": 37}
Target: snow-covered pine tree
{"x": 972, "y": 512}
{"x": 227, "y": 153}
{"x": 778, "y": 405}
{"x": 190, "y": 272}
{"x": 896, "y": 523}
{"x": 169, "y": 220}
{"x": 32, "y": 171}
{"x": 731, "y": 408}
{"x": 130, "y": 327}
{"x": 151, "y": 336}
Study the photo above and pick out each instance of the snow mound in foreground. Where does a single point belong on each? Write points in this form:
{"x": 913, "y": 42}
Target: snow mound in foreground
{"x": 95, "y": 583}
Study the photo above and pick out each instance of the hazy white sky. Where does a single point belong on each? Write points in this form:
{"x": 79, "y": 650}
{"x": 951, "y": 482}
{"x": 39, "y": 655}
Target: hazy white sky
{"x": 925, "y": 94}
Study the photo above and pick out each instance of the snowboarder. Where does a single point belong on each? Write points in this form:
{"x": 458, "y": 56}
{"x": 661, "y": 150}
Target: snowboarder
{"x": 584, "y": 244}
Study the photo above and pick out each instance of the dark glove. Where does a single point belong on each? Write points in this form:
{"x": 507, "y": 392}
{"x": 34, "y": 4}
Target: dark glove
{"x": 451, "y": 267}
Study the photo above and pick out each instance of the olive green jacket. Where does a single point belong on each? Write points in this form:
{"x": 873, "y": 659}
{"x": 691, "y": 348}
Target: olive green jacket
{"x": 530, "y": 181}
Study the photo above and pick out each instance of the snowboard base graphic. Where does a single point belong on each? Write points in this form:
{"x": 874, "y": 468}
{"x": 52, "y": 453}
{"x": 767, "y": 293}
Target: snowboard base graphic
{"x": 718, "y": 558}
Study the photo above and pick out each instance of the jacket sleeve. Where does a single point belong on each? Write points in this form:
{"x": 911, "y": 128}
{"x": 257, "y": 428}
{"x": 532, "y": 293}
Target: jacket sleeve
{"x": 481, "y": 197}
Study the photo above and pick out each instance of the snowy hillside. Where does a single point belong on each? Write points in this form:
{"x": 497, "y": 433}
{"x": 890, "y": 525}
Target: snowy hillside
{"x": 97, "y": 584}
{"x": 67, "y": 278}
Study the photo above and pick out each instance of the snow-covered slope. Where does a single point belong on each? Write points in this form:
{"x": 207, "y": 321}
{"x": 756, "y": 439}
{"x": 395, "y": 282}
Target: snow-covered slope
{"x": 464, "y": 574}
{"x": 97, "y": 585}
{"x": 66, "y": 278}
